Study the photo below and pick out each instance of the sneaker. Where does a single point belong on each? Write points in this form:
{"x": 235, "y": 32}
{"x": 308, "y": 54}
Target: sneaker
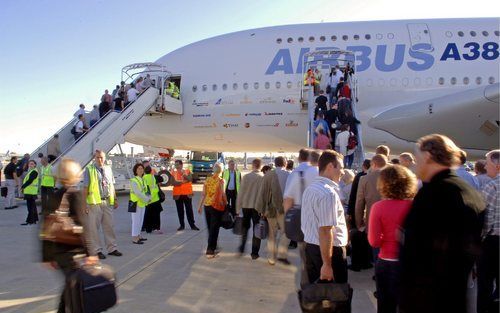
{"x": 180, "y": 228}
{"x": 284, "y": 261}
{"x": 115, "y": 253}
{"x": 101, "y": 255}
{"x": 271, "y": 262}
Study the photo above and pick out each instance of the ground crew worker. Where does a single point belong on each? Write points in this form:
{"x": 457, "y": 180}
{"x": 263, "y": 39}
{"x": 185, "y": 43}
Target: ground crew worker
{"x": 172, "y": 89}
{"x": 232, "y": 180}
{"x": 30, "y": 191}
{"x": 47, "y": 183}
{"x": 309, "y": 79}
{"x": 152, "y": 220}
{"x": 183, "y": 194}
{"x": 100, "y": 194}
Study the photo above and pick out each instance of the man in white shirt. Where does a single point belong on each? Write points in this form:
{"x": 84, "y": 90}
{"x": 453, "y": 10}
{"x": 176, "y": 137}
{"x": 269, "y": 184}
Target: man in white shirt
{"x": 323, "y": 223}
{"x": 81, "y": 110}
{"x": 79, "y": 127}
{"x": 132, "y": 94}
{"x": 334, "y": 81}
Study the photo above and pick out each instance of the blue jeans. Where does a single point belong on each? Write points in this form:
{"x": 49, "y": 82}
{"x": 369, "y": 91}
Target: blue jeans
{"x": 348, "y": 159}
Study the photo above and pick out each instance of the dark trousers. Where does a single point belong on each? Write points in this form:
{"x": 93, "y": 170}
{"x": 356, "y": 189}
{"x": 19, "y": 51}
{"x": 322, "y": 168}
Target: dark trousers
{"x": 253, "y": 216}
{"x": 46, "y": 194}
{"x": 348, "y": 160}
{"x": 361, "y": 252}
{"x": 231, "y": 200}
{"x": 487, "y": 274}
{"x": 214, "y": 218}
{"x": 387, "y": 280}
{"x": 32, "y": 217}
{"x": 181, "y": 203}
{"x": 314, "y": 263}
{"x": 152, "y": 219}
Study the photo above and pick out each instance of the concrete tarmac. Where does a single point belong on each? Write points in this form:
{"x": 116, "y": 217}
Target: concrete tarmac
{"x": 169, "y": 273}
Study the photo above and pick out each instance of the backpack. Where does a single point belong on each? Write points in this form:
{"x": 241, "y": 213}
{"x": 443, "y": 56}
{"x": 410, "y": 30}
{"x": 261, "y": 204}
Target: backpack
{"x": 352, "y": 142}
{"x": 73, "y": 130}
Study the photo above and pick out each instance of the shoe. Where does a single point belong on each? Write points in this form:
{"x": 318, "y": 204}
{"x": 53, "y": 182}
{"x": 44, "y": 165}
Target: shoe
{"x": 139, "y": 242}
{"x": 8, "y": 208}
{"x": 101, "y": 255}
{"x": 271, "y": 262}
{"x": 15, "y": 206}
{"x": 180, "y": 228}
{"x": 375, "y": 294}
{"x": 115, "y": 253}
{"x": 24, "y": 224}
{"x": 210, "y": 256}
{"x": 194, "y": 228}
{"x": 284, "y": 261}
{"x": 354, "y": 269}
{"x": 292, "y": 245}
{"x": 255, "y": 256}
{"x": 143, "y": 239}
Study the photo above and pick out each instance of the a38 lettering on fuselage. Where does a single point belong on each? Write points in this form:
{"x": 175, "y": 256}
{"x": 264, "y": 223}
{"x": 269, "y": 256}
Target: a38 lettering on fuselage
{"x": 422, "y": 56}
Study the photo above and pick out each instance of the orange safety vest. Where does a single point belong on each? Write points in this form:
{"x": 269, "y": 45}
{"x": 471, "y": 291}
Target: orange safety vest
{"x": 185, "y": 188}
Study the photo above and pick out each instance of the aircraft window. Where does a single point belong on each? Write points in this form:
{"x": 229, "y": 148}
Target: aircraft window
{"x": 267, "y": 85}
{"x": 441, "y": 81}
{"x": 369, "y": 82}
{"x": 300, "y": 39}
{"x": 235, "y": 86}
{"x": 289, "y": 85}
{"x": 345, "y": 37}
{"x": 289, "y": 40}
{"x": 195, "y": 88}
{"x": 381, "y": 82}
{"x": 224, "y": 86}
{"x": 491, "y": 80}
{"x": 255, "y": 85}
{"x": 204, "y": 87}
{"x": 379, "y": 36}
{"x": 405, "y": 81}
{"x": 214, "y": 87}
{"x": 368, "y": 36}
{"x": 473, "y": 33}
{"x": 466, "y": 80}
{"x": 428, "y": 81}
{"x": 479, "y": 80}
{"x": 393, "y": 82}
{"x": 453, "y": 80}
{"x": 460, "y": 34}
{"x": 278, "y": 40}
{"x": 497, "y": 33}
{"x": 356, "y": 37}
{"x": 311, "y": 39}
{"x": 278, "y": 85}
{"x": 334, "y": 38}
{"x": 417, "y": 81}
{"x": 245, "y": 86}
{"x": 485, "y": 33}
{"x": 322, "y": 38}
{"x": 390, "y": 35}
{"x": 449, "y": 34}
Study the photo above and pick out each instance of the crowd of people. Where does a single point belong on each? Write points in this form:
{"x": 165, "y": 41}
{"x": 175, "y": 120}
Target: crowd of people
{"x": 426, "y": 227}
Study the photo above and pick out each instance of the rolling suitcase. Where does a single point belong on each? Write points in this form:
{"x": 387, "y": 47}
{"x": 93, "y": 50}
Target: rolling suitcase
{"x": 328, "y": 297}
{"x": 238, "y": 226}
{"x": 92, "y": 289}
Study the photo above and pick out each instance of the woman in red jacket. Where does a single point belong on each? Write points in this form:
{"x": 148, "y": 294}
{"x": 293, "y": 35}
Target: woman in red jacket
{"x": 397, "y": 186}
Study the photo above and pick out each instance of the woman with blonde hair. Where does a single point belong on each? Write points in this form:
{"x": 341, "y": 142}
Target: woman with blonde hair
{"x": 69, "y": 201}
{"x": 397, "y": 186}
{"x": 214, "y": 201}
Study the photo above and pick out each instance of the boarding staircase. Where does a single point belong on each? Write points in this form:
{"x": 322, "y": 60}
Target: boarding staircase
{"x": 111, "y": 129}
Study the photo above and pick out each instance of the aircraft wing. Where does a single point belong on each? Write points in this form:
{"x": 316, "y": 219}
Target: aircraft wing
{"x": 470, "y": 117}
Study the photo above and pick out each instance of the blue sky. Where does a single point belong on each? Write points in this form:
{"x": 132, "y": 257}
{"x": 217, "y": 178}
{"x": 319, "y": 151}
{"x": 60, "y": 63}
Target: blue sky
{"x": 56, "y": 54}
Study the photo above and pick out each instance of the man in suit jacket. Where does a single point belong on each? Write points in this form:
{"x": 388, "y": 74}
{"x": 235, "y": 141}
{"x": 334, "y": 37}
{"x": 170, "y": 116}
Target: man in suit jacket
{"x": 367, "y": 193}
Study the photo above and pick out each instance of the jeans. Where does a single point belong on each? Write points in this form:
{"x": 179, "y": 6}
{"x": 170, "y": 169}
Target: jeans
{"x": 348, "y": 159}
{"x": 185, "y": 201}
{"x": 253, "y": 216}
{"x": 387, "y": 281}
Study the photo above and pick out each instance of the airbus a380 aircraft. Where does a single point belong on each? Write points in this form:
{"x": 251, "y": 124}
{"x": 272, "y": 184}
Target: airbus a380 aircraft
{"x": 241, "y": 91}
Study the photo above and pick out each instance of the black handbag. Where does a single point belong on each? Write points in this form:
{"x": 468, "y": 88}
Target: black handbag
{"x": 261, "y": 230}
{"x": 227, "y": 221}
{"x": 132, "y": 206}
{"x": 328, "y": 89}
{"x": 238, "y": 226}
{"x": 4, "y": 192}
{"x": 326, "y": 297}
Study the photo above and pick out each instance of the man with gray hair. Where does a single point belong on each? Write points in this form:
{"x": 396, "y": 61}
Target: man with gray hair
{"x": 99, "y": 191}
{"x": 487, "y": 266}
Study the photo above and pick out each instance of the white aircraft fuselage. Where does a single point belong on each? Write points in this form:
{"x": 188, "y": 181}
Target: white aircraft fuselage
{"x": 241, "y": 91}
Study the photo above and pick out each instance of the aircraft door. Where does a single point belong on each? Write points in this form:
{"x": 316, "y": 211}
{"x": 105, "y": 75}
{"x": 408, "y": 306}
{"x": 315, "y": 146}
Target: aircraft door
{"x": 420, "y": 37}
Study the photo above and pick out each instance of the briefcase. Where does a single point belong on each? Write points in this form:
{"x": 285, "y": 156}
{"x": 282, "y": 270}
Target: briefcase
{"x": 92, "y": 289}
{"x": 227, "y": 221}
{"x": 261, "y": 230}
{"x": 292, "y": 225}
{"x": 238, "y": 226}
{"x": 327, "y": 297}
{"x": 4, "y": 192}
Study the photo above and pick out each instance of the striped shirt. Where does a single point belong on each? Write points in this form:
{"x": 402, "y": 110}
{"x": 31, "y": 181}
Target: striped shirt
{"x": 321, "y": 206}
{"x": 492, "y": 218}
